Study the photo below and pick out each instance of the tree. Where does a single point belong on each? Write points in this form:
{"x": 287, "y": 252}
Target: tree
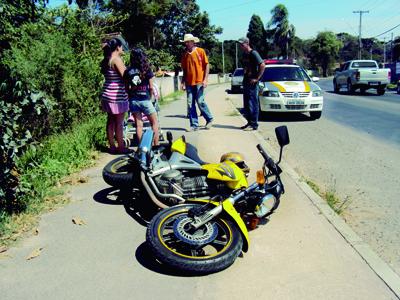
{"x": 257, "y": 35}
{"x": 325, "y": 50}
{"x": 279, "y": 31}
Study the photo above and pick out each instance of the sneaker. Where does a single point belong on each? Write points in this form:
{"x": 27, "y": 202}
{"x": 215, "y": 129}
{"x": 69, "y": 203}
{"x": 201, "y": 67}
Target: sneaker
{"x": 245, "y": 126}
{"x": 193, "y": 129}
{"x": 249, "y": 128}
{"x": 209, "y": 124}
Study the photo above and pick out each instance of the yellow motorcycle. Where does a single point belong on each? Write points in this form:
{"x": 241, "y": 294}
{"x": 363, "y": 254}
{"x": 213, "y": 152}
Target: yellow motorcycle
{"x": 206, "y": 235}
{"x": 172, "y": 173}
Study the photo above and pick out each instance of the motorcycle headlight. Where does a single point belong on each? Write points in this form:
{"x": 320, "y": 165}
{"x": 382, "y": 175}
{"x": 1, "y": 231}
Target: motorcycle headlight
{"x": 316, "y": 93}
{"x": 271, "y": 93}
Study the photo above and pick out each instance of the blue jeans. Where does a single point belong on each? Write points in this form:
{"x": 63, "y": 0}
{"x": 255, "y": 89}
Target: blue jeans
{"x": 195, "y": 93}
{"x": 251, "y": 104}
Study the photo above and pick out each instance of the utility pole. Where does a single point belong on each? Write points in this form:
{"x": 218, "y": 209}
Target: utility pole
{"x": 384, "y": 51}
{"x": 359, "y": 29}
{"x": 236, "y": 45}
{"x": 391, "y": 49}
{"x": 223, "y": 58}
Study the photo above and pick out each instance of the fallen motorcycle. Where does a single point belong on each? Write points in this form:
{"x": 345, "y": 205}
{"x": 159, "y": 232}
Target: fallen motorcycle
{"x": 173, "y": 173}
{"x": 206, "y": 236}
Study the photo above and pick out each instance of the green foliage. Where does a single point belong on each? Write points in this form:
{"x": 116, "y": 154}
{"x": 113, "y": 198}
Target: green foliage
{"x": 257, "y": 35}
{"x": 43, "y": 166}
{"x": 160, "y": 59}
{"x": 280, "y": 32}
{"x": 325, "y": 50}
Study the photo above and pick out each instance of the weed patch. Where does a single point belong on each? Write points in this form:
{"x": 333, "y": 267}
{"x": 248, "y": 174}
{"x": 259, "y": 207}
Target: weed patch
{"x": 330, "y": 197}
{"x": 44, "y": 170}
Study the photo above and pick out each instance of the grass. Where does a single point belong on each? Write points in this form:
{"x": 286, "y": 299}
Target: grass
{"x": 330, "y": 197}
{"x": 171, "y": 97}
{"x": 233, "y": 113}
{"x": 44, "y": 173}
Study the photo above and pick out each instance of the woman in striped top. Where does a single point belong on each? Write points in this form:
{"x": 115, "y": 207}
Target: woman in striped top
{"x": 114, "y": 99}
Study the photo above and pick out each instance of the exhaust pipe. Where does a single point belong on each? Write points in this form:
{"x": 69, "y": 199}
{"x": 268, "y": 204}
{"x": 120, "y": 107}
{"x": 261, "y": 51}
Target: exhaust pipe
{"x": 157, "y": 192}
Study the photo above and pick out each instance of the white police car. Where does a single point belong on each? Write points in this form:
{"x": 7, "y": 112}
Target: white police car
{"x": 286, "y": 87}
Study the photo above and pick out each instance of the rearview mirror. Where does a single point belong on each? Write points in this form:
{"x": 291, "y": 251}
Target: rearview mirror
{"x": 282, "y": 135}
{"x": 315, "y": 79}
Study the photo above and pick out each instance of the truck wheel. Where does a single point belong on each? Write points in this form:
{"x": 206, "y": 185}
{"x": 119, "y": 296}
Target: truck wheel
{"x": 363, "y": 90}
{"x": 336, "y": 88}
{"x": 380, "y": 91}
{"x": 350, "y": 88}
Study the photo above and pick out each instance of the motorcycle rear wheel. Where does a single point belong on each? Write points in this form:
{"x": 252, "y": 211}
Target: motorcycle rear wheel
{"x": 119, "y": 172}
{"x": 210, "y": 257}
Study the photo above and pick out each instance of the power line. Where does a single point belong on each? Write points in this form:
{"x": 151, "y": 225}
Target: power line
{"x": 386, "y": 31}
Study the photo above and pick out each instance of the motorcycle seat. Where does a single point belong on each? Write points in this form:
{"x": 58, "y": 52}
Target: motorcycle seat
{"x": 191, "y": 152}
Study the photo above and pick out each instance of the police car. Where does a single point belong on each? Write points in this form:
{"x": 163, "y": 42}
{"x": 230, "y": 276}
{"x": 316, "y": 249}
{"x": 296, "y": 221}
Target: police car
{"x": 286, "y": 87}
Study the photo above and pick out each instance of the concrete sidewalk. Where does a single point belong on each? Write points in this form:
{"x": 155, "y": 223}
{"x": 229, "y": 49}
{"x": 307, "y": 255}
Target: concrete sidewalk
{"x": 298, "y": 254}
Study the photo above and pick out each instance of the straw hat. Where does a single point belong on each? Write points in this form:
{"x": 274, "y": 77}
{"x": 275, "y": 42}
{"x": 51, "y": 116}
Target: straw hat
{"x": 189, "y": 37}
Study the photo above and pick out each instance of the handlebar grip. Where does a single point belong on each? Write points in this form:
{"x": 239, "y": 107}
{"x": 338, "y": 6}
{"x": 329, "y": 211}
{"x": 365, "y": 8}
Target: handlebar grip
{"x": 263, "y": 152}
{"x": 269, "y": 161}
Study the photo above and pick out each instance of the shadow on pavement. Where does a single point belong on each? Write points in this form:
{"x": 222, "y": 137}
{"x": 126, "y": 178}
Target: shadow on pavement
{"x": 176, "y": 116}
{"x": 173, "y": 128}
{"x": 138, "y": 207}
{"x": 366, "y": 94}
{"x": 226, "y": 126}
{"x": 280, "y": 117}
{"x": 145, "y": 257}
{"x": 228, "y": 91}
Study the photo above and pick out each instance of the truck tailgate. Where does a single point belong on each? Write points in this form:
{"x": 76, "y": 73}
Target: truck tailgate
{"x": 374, "y": 76}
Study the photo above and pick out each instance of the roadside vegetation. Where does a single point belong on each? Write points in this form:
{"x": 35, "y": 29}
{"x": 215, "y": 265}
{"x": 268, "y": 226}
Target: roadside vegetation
{"x": 329, "y": 195}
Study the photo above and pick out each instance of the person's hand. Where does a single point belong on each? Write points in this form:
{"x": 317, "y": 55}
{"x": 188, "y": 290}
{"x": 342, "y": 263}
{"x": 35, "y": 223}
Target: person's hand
{"x": 253, "y": 81}
{"x": 183, "y": 86}
{"x": 205, "y": 83}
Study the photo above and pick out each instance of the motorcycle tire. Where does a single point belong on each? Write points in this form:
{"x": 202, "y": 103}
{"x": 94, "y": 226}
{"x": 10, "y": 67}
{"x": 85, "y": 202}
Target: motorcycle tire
{"x": 222, "y": 250}
{"x": 119, "y": 172}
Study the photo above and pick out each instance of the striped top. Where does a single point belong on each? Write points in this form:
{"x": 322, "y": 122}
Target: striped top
{"x": 114, "y": 87}
{"x": 114, "y": 96}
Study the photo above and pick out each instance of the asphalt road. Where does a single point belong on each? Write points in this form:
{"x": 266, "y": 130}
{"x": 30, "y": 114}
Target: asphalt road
{"x": 353, "y": 151}
{"x": 376, "y": 115}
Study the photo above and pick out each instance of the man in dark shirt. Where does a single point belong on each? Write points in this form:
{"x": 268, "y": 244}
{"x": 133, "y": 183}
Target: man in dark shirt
{"x": 253, "y": 66}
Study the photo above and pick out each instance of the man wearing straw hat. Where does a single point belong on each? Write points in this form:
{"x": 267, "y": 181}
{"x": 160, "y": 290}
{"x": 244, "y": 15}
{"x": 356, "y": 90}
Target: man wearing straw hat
{"x": 195, "y": 74}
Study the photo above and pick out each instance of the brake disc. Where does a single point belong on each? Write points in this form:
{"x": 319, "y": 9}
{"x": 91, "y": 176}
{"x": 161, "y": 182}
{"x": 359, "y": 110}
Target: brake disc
{"x": 198, "y": 237}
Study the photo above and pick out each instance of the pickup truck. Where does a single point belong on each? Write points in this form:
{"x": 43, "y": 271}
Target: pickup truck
{"x": 363, "y": 75}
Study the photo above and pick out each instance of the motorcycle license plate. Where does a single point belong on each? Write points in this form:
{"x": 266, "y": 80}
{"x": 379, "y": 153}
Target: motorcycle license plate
{"x": 295, "y": 102}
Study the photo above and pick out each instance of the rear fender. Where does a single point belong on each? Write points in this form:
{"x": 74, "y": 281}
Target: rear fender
{"x": 233, "y": 215}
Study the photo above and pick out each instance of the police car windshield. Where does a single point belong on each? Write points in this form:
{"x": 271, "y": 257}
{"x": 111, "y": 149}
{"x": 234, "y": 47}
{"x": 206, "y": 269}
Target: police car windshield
{"x": 284, "y": 74}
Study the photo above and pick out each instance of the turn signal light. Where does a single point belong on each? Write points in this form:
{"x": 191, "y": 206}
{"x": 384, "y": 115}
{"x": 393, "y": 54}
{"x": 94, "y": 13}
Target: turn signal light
{"x": 260, "y": 177}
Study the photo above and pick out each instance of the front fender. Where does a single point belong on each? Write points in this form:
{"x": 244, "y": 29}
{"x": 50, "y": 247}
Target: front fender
{"x": 234, "y": 216}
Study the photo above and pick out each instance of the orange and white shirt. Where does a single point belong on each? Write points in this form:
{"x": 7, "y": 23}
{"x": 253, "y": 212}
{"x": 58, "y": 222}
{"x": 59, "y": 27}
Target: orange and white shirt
{"x": 194, "y": 66}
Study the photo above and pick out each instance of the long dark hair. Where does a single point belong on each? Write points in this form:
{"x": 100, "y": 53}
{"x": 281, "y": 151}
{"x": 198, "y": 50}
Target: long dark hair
{"x": 108, "y": 48}
{"x": 139, "y": 61}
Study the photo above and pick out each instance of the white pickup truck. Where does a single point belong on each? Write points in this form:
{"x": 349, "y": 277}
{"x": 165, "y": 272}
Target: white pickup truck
{"x": 363, "y": 75}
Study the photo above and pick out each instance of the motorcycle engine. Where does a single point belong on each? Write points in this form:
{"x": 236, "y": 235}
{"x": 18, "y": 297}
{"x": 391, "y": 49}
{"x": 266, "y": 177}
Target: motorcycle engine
{"x": 184, "y": 185}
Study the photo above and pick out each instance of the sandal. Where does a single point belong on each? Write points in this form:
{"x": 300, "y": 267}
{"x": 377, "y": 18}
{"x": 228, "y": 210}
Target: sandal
{"x": 123, "y": 151}
{"x": 112, "y": 150}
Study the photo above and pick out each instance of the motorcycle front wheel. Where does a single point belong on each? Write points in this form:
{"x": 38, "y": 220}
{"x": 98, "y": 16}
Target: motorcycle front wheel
{"x": 119, "y": 172}
{"x": 209, "y": 249}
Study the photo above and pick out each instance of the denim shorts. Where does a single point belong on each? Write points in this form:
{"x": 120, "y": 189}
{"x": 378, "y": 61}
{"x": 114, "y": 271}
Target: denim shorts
{"x": 143, "y": 106}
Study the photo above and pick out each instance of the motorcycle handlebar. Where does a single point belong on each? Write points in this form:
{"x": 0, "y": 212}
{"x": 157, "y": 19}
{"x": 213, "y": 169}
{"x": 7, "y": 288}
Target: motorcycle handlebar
{"x": 269, "y": 161}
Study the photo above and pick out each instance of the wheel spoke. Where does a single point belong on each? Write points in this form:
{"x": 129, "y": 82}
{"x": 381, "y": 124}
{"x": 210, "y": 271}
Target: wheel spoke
{"x": 218, "y": 242}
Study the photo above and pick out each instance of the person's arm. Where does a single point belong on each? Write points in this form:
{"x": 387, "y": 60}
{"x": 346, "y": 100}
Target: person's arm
{"x": 205, "y": 80}
{"x": 119, "y": 65}
{"x": 261, "y": 67}
{"x": 151, "y": 90}
{"x": 183, "y": 81}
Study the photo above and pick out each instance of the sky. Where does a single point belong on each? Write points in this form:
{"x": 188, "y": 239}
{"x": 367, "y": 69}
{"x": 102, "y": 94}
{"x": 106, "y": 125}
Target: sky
{"x": 308, "y": 16}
